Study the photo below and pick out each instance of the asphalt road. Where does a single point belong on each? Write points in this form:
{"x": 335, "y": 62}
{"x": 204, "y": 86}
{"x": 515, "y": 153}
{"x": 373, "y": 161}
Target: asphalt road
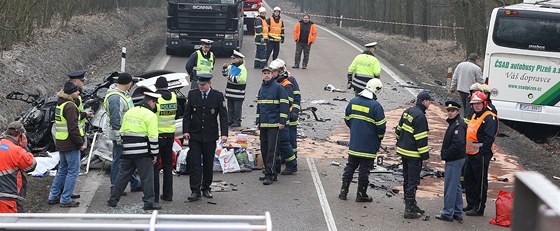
{"x": 308, "y": 200}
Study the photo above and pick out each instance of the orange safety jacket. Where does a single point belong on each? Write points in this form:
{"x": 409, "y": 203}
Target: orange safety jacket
{"x": 312, "y": 33}
{"x": 289, "y": 90}
{"x": 14, "y": 160}
{"x": 473, "y": 146}
{"x": 276, "y": 31}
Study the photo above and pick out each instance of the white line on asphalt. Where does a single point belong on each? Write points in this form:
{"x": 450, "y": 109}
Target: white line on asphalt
{"x": 160, "y": 61}
{"x": 331, "y": 225}
{"x": 87, "y": 192}
{"x": 391, "y": 73}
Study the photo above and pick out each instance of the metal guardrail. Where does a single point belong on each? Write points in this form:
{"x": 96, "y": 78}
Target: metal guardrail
{"x": 536, "y": 203}
{"x": 151, "y": 222}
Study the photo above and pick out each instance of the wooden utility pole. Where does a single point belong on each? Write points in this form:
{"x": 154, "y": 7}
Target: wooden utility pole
{"x": 424, "y": 30}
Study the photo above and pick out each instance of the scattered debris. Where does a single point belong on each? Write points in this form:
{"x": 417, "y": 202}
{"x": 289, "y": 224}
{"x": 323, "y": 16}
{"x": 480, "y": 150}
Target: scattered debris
{"x": 322, "y": 102}
{"x": 332, "y": 88}
{"x": 340, "y": 99}
{"x": 211, "y": 202}
{"x": 502, "y": 135}
{"x": 313, "y": 110}
{"x": 222, "y": 186}
{"x": 502, "y": 179}
{"x": 251, "y": 105}
{"x": 249, "y": 132}
{"x": 425, "y": 217}
{"x": 411, "y": 86}
{"x": 439, "y": 82}
{"x": 343, "y": 142}
{"x": 428, "y": 84}
{"x": 335, "y": 163}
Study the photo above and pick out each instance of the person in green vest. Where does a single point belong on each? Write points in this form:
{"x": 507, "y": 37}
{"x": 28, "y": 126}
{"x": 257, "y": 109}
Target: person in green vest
{"x": 363, "y": 68}
{"x": 200, "y": 62}
{"x": 69, "y": 140}
{"x": 79, "y": 79}
{"x": 139, "y": 132}
{"x": 117, "y": 102}
{"x": 236, "y": 75}
{"x": 166, "y": 113}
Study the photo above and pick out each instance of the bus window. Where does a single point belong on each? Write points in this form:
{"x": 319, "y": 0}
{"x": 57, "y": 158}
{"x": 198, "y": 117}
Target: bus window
{"x": 527, "y": 33}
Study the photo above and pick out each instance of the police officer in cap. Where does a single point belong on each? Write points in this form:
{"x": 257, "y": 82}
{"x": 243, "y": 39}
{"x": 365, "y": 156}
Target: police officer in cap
{"x": 363, "y": 68}
{"x": 200, "y": 62}
{"x": 166, "y": 112}
{"x": 200, "y": 127}
{"x": 453, "y": 153}
{"x": 139, "y": 132}
{"x": 236, "y": 75}
{"x": 78, "y": 78}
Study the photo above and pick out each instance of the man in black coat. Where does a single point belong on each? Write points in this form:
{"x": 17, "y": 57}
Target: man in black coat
{"x": 453, "y": 153}
{"x": 200, "y": 128}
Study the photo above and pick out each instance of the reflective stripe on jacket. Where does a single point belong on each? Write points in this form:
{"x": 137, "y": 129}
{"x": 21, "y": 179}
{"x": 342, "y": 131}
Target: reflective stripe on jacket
{"x": 296, "y": 105}
{"x": 474, "y": 132}
{"x": 272, "y": 105}
{"x": 139, "y": 132}
{"x": 412, "y": 132}
{"x": 367, "y": 123}
{"x": 276, "y": 29}
{"x": 166, "y": 112}
{"x": 61, "y": 124}
{"x": 14, "y": 163}
{"x": 203, "y": 65}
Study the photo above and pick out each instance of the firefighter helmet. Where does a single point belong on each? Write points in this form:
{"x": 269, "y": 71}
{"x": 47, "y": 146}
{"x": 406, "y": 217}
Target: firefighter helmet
{"x": 277, "y": 64}
{"x": 374, "y": 85}
{"x": 479, "y": 97}
{"x": 476, "y": 87}
{"x": 486, "y": 88}
{"x": 262, "y": 10}
{"x": 277, "y": 9}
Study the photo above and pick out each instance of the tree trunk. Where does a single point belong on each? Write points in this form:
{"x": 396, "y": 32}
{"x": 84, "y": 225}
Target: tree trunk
{"x": 410, "y": 18}
{"x": 424, "y": 30}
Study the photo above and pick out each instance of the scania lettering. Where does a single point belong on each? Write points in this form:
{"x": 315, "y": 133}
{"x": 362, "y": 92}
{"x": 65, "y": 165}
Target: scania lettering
{"x": 188, "y": 21}
{"x": 522, "y": 61}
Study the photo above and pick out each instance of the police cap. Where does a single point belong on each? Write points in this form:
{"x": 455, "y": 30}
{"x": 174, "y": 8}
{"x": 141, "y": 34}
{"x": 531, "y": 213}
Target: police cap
{"x": 151, "y": 95}
{"x": 452, "y": 105}
{"x": 206, "y": 42}
{"x": 373, "y": 44}
{"x": 237, "y": 54}
{"x": 81, "y": 75}
{"x": 204, "y": 78}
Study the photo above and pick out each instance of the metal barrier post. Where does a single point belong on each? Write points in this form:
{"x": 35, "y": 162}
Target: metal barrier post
{"x": 340, "y": 23}
{"x": 536, "y": 203}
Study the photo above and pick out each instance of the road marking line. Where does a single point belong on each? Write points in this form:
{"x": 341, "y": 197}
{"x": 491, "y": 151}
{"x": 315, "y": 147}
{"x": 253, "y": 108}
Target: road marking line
{"x": 160, "y": 61}
{"x": 392, "y": 74}
{"x": 331, "y": 225}
{"x": 88, "y": 189}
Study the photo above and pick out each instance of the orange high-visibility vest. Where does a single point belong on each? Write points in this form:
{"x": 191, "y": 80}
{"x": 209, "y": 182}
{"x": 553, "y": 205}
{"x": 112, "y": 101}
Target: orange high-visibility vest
{"x": 284, "y": 83}
{"x": 473, "y": 146}
{"x": 275, "y": 31}
{"x": 312, "y": 33}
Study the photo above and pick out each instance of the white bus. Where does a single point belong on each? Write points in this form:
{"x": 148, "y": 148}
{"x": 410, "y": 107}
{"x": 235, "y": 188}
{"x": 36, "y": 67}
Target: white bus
{"x": 522, "y": 61}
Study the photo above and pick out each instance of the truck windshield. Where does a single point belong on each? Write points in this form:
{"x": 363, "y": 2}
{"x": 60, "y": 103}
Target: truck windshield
{"x": 528, "y": 30}
{"x": 208, "y": 1}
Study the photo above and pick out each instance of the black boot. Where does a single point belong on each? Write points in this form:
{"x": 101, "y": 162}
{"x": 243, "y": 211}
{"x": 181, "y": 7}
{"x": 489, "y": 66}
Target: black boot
{"x": 344, "y": 190}
{"x": 409, "y": 212}
{"x": 417, "y": 209}
{"x": 362, "y": 196}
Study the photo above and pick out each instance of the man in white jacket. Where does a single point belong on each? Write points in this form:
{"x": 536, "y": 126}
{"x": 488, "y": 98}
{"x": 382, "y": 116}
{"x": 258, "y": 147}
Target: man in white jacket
{"x": 466, "y": 74}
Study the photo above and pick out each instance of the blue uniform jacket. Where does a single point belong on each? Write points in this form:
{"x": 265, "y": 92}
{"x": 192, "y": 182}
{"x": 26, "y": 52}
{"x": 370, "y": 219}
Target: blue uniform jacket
{"x": 272, "y": 105}
{"x": 367, "y": 123}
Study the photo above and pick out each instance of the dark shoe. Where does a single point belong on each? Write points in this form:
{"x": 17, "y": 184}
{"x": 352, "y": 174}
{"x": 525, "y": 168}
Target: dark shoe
{"x": 296, "y": 67}
{"x": 71, "y": 204}
{"x": 268, "y": 180}
{"x": 152, "y": 206}
{"x": 458, "y": 219}
{"x": 444, "y": 218}
{"x": 468, "y": 208}
{"x": 362, "y": 196}
{"x": 274, "y": 178}
{"x": 474, "y": 213}
{"x": 54, "y": 202}
{"x": 409, "y": 210}
{"x": 289, "y": 171}
{"x": 111, "y": 203}
{"x": 417, "y": 209}
{"x": 207, "y": 194}
{"x": 344, "y": 191}
{"x": 304, "y": 67}
{"x": 139, "y": 189}
{"x": 166, "y": 198}
{"x": 194, "y": 197}
{"x": 75, "y": 196}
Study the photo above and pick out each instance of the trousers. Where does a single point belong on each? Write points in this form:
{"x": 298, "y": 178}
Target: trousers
{"x": 269, "y": 149}
{"x": 66, "y": 177}
{"x": 365, "y": 165}
{"x": 306, "y": 49}
{"x": 146, "y": 172}
{"x": 452, "y": 191}
{"x": 260, "y": 57}
{"x": 234, "y": 108}
{"x": 285, "y": 150}
{"x": 166, "y": 157}
{"x": 293, "y": 138}
{"x": 201, "y": 176}
{"x": 272, "y": 47}
{"x": 411, "y": 175}
{"x": 476, "y": 181}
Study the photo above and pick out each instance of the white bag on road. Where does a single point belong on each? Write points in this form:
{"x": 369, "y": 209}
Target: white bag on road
{"x": 228, "y": 161}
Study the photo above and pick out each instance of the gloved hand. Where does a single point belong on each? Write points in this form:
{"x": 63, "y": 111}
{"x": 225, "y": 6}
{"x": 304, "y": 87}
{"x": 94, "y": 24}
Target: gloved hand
{"x": 349, "y": 82}
{"x": 425, "y": 156}
{"x": 294, "y": 116}
{"x": 282, "y": 41}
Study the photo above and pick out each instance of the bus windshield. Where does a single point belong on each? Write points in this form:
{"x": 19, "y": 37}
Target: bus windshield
{"x": 531, "y": 33}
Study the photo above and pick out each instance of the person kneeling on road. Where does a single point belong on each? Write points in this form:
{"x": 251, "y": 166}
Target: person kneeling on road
{"x": 139, "y": 132}
{"x": 366, "y": 119}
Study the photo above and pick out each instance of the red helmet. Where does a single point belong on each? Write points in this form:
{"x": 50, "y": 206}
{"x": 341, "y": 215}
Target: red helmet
{"x": 479, "y": 97}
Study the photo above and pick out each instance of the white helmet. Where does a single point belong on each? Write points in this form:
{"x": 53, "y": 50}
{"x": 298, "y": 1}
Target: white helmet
{"x": 374, "y": 85}
{"x": 277, "y": 9}
{"x": 262, "y": 10}
{"x": 277, "y": 64}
